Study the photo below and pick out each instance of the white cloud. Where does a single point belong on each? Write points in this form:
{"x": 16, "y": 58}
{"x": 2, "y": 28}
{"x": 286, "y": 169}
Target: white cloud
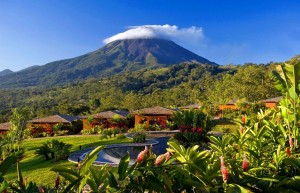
{"x": 191, "y": 35}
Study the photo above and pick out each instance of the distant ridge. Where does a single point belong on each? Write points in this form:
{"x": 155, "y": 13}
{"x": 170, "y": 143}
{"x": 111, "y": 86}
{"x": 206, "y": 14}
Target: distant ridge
{"x": 115, "y": 57}
{"x": 5, "y": 72}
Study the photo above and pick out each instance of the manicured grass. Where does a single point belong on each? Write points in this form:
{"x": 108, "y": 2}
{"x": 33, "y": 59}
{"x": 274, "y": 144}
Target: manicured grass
{"x": 224, "y": 125}
{"x": 36, "y": 168}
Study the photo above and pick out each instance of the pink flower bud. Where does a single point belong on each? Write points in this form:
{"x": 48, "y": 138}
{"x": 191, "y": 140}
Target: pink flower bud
{"x": 41, "y": 190}
{"x": 278, "y": 120}
{"x": 243, "y": 119}
{"x": 291, "y": 142}
{"x": 146, "y": 150}
{"x": 160, "y": 159}
{"x": 140, "y": 158}
{"x": 288, "y": 151}
{"x": 242, "y": 129}
{"x": 222, "y": 161}
{"x": 245, "y": 164}
{"x": 167, "y": 156}
{"x": 224, "y": 170}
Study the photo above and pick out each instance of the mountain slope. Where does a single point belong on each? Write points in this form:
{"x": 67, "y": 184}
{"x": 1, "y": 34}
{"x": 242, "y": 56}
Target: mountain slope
{"x": 5, "y": 72}
{"x": 113, "y": 58}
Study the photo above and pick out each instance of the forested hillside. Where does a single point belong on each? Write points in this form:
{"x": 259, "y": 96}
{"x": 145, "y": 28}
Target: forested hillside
{"x": 176, "y": 85}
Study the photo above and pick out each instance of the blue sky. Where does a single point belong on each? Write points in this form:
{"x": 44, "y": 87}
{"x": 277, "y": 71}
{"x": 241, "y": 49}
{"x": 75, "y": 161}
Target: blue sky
{"x": 35, "y": 32}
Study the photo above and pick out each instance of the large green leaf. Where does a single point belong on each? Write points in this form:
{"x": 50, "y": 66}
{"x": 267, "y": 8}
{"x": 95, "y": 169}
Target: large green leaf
{"x": 288, "y": 76}
{"x": 235, "y": 188}
{"x": 123, "y": 165}
{"x": 89, "y": 160}
{"x": 70, "y": 186}
{"x": 4, "y": 185}
{"x": 154, "y": 183}
{"x": 294, "y": 162}
{"x": 5, "y": 165}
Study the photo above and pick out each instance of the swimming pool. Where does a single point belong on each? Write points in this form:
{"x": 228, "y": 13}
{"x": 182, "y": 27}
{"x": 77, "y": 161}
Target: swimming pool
{"x": 112, "y": 154}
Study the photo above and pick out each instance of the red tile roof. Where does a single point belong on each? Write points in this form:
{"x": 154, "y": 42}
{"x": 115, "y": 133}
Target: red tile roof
{"x": 56, "y": 119}
{"x": 109, "y": 114}
{"x": 154, "y": 111}
{"x": 272, "y": 100}
{"x": 5, "y": 126}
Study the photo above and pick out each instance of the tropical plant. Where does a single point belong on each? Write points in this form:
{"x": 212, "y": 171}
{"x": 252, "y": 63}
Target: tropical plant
{"x": 139, "y": 138}
{"x": 15, "y": 134}
{"x": 60, "y": 150}
{"x": 288, "y": 82}
{"x": 4, "y": 166}
{"x": 192, "y": 119}
{"x": 44, "y": 150}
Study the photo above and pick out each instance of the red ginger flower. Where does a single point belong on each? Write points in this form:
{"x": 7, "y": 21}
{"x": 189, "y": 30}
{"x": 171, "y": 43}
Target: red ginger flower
{"x": 167, "y": 155}
{"x": 57, "y": 181}
{"x": 278, "y": 120}
{"x": 160, "y": 159}
{"x": 288, "y": 151}
{"x": 242, "y": 129}
{"x": 222, "y": 161}
{"x": 140, "y": 158}
{"x": 245, "y": 164}
{"x": 224, "y": 170}
{"x": 41, "y": 190}
{"x": 243, "y": 119}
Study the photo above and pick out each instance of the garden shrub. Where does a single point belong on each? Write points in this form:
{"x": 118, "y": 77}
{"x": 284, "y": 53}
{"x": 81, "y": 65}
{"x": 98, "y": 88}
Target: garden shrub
{"x": 139, "y": 138}
{"x": 138, "y": 128}
{"x": 61, "y": 133}
{"x": 121, "y": 136}
{"x": 61, "y": 150}
{"x": 153, "y": 127}
{"x": 57, "y": 149}
{"x": 192, "y": 119}
{"x": 94, "y": 130}
{"x": 107, "y": 133}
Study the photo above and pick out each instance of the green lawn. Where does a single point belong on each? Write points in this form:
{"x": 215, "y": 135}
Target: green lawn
{"x": 224, "y": 125}
{"x": 36, "y": 169}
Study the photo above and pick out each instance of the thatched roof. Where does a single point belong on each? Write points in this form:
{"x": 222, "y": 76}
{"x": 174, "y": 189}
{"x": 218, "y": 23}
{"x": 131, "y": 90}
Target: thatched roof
{"x": 272, "y": 100}
{"x": 154, "y": 111}
{"x": 232, "y": 102}
{"x": 5, "y": 126}
{"x": 110, "y": 114}
{"x": 56, "y": 119}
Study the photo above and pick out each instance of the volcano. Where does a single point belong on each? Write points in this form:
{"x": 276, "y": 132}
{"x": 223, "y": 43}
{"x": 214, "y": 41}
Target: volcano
{"x": 116, "y": 57}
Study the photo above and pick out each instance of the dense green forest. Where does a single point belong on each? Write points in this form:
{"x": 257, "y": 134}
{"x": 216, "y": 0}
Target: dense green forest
{"x": 176, "y": 85}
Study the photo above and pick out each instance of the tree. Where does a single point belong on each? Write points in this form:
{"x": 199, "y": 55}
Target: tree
{"x": 18, "y": 125}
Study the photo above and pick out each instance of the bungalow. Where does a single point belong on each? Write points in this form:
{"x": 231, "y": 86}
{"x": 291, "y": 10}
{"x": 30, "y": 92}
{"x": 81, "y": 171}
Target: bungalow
{"x": 4, "y": 127}
{"x": 47, "y": 123}
{"x": 105, "y": 119}
{"x": 229, "y": 105}
{"x": 153, "y": 115}
{"x": 272, "y": 102}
